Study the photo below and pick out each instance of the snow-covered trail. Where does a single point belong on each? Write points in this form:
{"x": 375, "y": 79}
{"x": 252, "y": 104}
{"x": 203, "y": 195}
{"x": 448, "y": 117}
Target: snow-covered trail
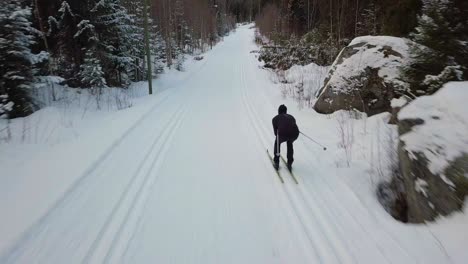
{"x": 190, "y": 182}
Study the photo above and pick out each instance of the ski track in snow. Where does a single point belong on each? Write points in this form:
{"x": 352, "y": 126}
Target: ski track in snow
{"x": 59, "y": 214}
{"x": 317, "y": 224}
{"x": 189, "y": 182}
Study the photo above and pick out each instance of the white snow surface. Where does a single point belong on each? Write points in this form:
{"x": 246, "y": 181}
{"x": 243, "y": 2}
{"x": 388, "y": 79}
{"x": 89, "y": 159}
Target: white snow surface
{"x": 369, "y": 54}
{"x": 420, "y": 186}
{"x": 182, "y": 176}
{"x": 444, "y": 135}
{"x": 303, "y": 82}
{"x": 398, "y": 102}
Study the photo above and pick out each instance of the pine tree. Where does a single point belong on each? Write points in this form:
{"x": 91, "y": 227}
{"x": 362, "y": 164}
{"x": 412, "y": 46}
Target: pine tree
{"x": 91, "y": 74}
{"x": 114, "y": 49}
{"x": 157, "y": 44}
{"x": 86, "y": 34}
{"x": 369, "y": 24}
{"x": 297, "y": 16}
{"x": 180, "y": 23}
{"x": 176, "y": 52}
{"x": 158, "y": 50}
{"x": 6, "y": 106}
{"x": 66, "y": 51}
{"x": 441, "y": 55}
{"x": 16, "y": 59}
{"x": 136, "y": 33}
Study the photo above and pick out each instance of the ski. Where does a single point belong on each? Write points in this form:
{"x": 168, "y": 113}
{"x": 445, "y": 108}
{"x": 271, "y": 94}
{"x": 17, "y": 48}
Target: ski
{"x": 273, "y": 164}
{"x": 290, "y": 172}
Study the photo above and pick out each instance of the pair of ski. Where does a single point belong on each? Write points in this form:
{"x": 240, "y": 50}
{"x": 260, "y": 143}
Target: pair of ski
{"x": 277, "y": 170}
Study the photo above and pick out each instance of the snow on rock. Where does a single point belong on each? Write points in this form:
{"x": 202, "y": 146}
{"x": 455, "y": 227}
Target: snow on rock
{"x": 398, "y": 102}
{"x": 434, "y": 148}
{"x": 367, "y": 52}
{"x": 365, "y": 75}
{"x": 444, "y": 135}
{"x": 421, "y": 186}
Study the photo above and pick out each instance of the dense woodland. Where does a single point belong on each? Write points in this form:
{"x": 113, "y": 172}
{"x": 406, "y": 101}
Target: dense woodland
{"x": 100, "y": 43}
{"x": 322, "y": 27}
{"x": 306, "y": 31}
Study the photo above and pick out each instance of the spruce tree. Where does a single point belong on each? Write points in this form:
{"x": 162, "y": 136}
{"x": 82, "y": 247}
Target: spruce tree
{"x": 16, "y": 60}
{"x": 440, "y": 55}
{"x": 6, "y": 106}
{"x": 91, "y": 74}
{"x": 370, "y": 23}
{"x": 181, "y": 27}
{"x": 137, "y": 49}
{"x": 157, "y": 44}
{"x": 67, "y": 52}
{"x": 158, "y": 50}
{"x": 86, "y": 34}
{"x": 297, "y": 16}
{"x": 114, "y": 49}
{"x": 175, "y": 51}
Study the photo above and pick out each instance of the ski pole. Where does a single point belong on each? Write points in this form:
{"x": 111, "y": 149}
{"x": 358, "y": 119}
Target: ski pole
{"x": 324, "y": 148}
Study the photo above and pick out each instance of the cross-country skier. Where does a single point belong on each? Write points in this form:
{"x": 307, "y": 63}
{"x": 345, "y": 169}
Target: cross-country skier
{"x": 286, "y": 130}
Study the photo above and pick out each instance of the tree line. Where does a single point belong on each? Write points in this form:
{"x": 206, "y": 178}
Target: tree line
{"x": 98, "y": 43}
{"x": 324, "y": 27}
{"x": 306, "y": 31}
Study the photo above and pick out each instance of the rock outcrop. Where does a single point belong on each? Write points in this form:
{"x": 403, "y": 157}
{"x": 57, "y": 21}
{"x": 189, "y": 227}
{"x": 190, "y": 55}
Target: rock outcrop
{"x": 433, "y": 152}
{"x": 364, "y": 76}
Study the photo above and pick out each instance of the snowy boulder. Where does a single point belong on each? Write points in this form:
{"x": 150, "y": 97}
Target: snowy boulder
{"x": 364, "y": 76}
{"x": 433, "y": 152}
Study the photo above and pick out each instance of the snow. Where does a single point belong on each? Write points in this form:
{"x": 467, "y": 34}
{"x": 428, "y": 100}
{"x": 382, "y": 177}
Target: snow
{"x": 443, "y": 136}
{"x": 370, "y": 54}
{"x": 398, "y": 102}
{"x": 182, "y": 177}
{"x": 309, "y": 78}
{"x": 420, "y": 186}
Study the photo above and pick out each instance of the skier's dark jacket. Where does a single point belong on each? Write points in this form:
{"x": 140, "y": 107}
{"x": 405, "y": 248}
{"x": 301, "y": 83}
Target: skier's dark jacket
{"x": 286, "y": 126}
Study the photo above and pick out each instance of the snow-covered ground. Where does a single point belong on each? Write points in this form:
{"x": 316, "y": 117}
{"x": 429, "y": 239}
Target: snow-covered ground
{"x": 301, "y": 82}
{"x": 183, "y": 177}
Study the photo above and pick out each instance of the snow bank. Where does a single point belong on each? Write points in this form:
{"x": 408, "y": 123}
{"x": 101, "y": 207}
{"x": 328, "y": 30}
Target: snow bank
{"x": 307, "y": 79}
{"x": 301, "y": 83}
{"x": 444, "y": 135}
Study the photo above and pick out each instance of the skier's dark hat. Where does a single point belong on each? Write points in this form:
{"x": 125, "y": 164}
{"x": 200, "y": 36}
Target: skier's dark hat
{"x": 282, "y": 109}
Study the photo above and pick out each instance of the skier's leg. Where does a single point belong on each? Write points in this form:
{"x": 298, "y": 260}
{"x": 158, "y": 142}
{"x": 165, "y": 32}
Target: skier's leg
{"x": 276, "y": 149}
{"x": 290, "y": 153}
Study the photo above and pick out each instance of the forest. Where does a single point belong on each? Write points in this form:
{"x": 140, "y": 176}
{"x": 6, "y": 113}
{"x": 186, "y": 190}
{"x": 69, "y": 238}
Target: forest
{"x": 100, "y": 43}
{"x": 300, "y": 32}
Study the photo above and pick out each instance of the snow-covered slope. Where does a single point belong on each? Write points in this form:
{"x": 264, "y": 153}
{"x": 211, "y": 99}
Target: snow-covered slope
{"x": 183, "y": 177}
